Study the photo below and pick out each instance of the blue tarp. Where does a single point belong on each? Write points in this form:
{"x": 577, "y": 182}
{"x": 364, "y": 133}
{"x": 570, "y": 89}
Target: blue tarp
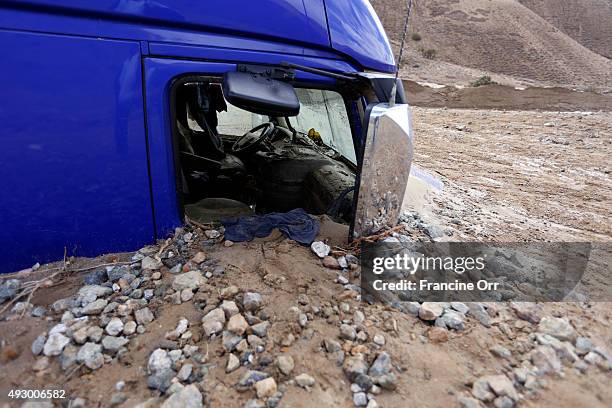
{"x": 295, "y": 224}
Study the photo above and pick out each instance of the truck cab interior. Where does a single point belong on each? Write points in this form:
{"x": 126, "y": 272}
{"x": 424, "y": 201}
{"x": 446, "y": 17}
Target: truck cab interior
{"x": 234, "y": 162}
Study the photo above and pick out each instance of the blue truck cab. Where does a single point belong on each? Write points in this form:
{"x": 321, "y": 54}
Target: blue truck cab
{"x": 115, "y": 123}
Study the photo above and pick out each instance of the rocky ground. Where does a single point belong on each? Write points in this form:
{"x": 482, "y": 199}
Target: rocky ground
{"x": 200, "y": 321}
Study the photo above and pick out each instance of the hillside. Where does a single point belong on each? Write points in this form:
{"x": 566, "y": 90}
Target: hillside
{"x": 505, "y": 38}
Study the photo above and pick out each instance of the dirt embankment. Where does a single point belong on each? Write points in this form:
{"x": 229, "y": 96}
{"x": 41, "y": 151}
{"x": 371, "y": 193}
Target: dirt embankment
{"x": 506, "y": 98}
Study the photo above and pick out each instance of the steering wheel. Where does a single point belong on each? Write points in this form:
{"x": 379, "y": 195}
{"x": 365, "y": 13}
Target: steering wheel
{"x": 252, "y": 139}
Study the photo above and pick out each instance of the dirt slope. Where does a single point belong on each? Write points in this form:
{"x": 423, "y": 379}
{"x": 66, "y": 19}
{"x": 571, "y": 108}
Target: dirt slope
{"x": 499, "y": 36}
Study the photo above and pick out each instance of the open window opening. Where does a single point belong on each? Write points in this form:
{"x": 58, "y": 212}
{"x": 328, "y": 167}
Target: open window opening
{"x": 231, "y": 162}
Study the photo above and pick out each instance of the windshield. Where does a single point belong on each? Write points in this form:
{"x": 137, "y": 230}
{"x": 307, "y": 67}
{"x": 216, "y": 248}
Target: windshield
{"x": 321, "y": 110}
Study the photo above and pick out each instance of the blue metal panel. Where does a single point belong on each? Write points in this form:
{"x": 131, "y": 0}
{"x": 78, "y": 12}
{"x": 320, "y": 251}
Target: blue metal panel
{"x": 73, "y": 162}
{"x": 159, "y": 76}
{"x": 289, "y": 20}
{"x": 356, "y": 31}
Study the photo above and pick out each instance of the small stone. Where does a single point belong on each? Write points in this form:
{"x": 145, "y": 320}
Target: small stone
{"x": 526, "y": 311}
{"x": 189, "y": 280}
{"x": 480, "y": 313}
{"x": 213, "y": 322}
{"x": 502, "y": 386}
{"x": 229, "y": 308}
{"x": 198, "y": 258}
{"x": 144, "y": 316}
{"x": 451, "y": 319}
{"x": 114, "y": 326}
{"x": 237, "y": 324}
{"x": 95, "y": 333}
{"x": 118, "y": 399}
{"x": 80, "y": 336}
{"x": 161, "y": 380}
{"x": 228, "y": 292}
{"x": 90, "y": 354}
{"x": 113, "y": 344}
{"x": 467, "y": 402}
{"x": 460, "y": 307}
{"x": 481, "y": 390}
{"x": 251, "y": 301}
{"x": 260, "y": 329}
{"x": 285, "y": 364}
{"x": 320, "y": 248}
{"x": 150, "y": 263}
{"x": 379, "y": 339}
{"x": 228, "y": 243}
{"x": 381, "y": 366}
{"x": 178, "y": 268}
{"x": 39, "y": 344}
{"x": 129, "y": 328}
{"x": 265, "y": 388}
{"x": 503, "y": 402}
{"x": 95, "y": 307}
{"x": 41, "y": 364}
{"x": 372, "y": 403}
{"x": 159, "y": 361}
{"x": 302, "y": 319}
{"x": 188, "y": 397}
{"x": 501, "y": 351}
{"x": 230, "y": 340}
{"x": 353, "y": 366}
{"x": 331, "y": 263}
{"x": 232, "y": 363}
{"x": 557, "y": 327}
{"x": 347, "y": 332}
{"x": 55, "y": 344}
{"x": 185, "y": 372}
{"x": 583, "y": 346}
{"x": 360, "y": 399}
{"x": 304, "y": 380}
{"x": 250, "y": 378}
{"x": 431, "y": 310}
{"x": 186, "y": 295}
{"x": 212, "y": 234}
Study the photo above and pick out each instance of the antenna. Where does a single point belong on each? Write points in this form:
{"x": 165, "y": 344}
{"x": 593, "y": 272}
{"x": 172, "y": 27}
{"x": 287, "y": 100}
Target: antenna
{"x": 401, "y": 54}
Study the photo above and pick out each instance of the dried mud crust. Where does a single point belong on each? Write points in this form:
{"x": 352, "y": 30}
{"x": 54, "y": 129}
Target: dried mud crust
{"x": 519, "y": 176}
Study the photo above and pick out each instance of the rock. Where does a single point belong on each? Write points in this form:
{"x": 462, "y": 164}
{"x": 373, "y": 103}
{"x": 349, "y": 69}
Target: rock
{"x": 381, "y": 366}
{"x": 230, "y": 340}
{"x": 372, "y": 403}
{"x": 379, "y": 339}
{"x": 188, "y": 397}
{"x": 452, "y": 320}
{"x": 527, "y": 311}
{"x": 41, "y": 364}
{"x": 129, "y": 328}
{"x": 460, "y": 307}
{"x": 161, "y": 380}
{"x": 347, "y": 332}
{"x": 304, "y": 380}
{"x": 503, "y": 402}
{"x": 228, "y": 243}
{"x": 557, "y": 327}
{"x": 237, "y": 324}
{"x": 95, "y": 307}
{"x": 95, "y": 333}
{"x": 90, "y": 354}
{"x": 212, "y": 234}
{"x": 114, "y": 326}
{"x": 189, "y": 280}
{"x": 321, "y": 249}
{"x": 144, "y": 316}
{"x": 8, "y": 289}
{"x": 90, "y": 293}
{"x": 199, "y": 258}
{"x": 229, "y": 308}
{"x": 480, "y": 313}
{"x": 360, "y": 399}
{"x": 229, "y": 292}
{"x": 353, "y": 366}
{"x": 80, "y": 336}
{"x": 113, "y": 344}
{"x": 583, "y": 346}
{"x": 431, "y": 310}
{"x": 159, "y": 361}
{"x": 55, "y": 344}
{"x": 260, "y": 329}
{"x": 251, "y": 301}
{"x": 285, "y": 364}
{"x": 437, "y": 335}
{"x": 68, "y": 358}
{"x": 467, "y": 402}
{"x": 481, "y": 390}
{"x": 213, "y": 322}
{"x": 331, "y": 263}
{"x": 232, "y": 363}
{"x": 265, "y": 388}
{"x": 60, "y": 305}
{"x": 502, "y": 386}
{"x": 150, "y": 263}
{"x": 501, "y": 351}
{"x": 185, "y": 372}
{"x": 186, "y": 295}
{"x": 250, "y": 378}
{"x": 39, "y": 344}
{"x": 545, "y": 359}
{"x": 96, "y": 277}
{"x": 331, "y": 346}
